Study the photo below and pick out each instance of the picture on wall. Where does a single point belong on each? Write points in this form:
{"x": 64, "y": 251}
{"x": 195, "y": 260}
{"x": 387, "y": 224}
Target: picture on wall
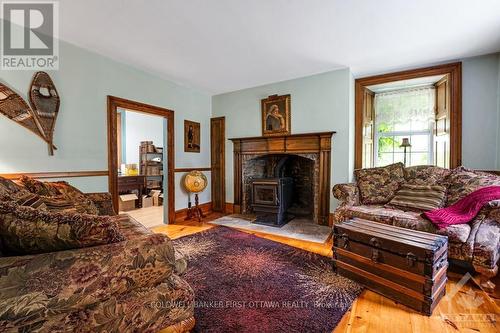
{"x": 191, "y": 136}
{"x": 276, "y": 115}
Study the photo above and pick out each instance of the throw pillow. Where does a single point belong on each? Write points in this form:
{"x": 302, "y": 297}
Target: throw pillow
{"x": 61, "y": 191}
{"x": 419, "y": 197}
{"x": 463, "y": 181}
{"x": 8, "y": 188}
{"x": 379, "y": 185}
{"x": 24, "y": 230}
{"x": 80, "y": 200}
{"x": 425, "y": 175}
{"x": 38, "y": 187}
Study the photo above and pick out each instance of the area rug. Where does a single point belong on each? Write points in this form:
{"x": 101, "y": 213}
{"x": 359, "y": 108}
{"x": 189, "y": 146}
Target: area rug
{"x": 302, "y": 229}
{"x": 244, "y": 283}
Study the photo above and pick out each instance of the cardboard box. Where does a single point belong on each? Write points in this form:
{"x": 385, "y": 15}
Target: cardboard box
{"x": 127, "y": 202}
{"x": 155, "y": 194}
{"x": 147, "y": 201}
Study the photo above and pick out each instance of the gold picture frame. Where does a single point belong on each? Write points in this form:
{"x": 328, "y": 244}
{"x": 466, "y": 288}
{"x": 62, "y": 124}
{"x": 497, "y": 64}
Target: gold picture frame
{"x": 191, "y": 136}
{"x": 276, "y": 115}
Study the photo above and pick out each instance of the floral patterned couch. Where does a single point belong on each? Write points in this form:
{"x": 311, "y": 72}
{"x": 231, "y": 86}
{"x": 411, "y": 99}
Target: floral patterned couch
{"x": 476, "y": 244}
{"x": 131, "y": 285}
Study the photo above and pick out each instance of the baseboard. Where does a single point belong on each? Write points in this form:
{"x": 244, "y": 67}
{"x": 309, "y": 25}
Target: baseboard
{"x": 229, "y": 208}
{"x": 181, "y": 214}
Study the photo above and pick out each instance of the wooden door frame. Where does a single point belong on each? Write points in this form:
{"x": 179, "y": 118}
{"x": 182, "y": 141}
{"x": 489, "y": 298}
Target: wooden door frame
{"x": 454, "y": 70}
{"x": 223, "y": 166}
{"x": 117, "y": 102}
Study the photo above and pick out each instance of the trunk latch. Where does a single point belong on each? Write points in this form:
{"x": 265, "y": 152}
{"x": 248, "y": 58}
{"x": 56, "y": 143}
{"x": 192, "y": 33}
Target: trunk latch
{"x": 345, "y": 238}
{"x": 411, "y": 259}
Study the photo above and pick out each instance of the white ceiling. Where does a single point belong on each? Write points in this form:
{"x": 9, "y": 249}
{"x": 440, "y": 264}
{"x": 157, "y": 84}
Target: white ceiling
{"x": 225, "y": 45}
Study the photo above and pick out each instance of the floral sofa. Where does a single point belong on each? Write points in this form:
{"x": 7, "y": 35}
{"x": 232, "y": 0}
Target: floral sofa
{"x": 129, "y": 284}
{"x": 475, "y": 244}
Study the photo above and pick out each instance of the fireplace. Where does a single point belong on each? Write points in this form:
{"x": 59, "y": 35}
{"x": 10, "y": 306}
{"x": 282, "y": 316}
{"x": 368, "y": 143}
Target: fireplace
{"x": 271, "y": 198}
{"x": 262, "y": 161}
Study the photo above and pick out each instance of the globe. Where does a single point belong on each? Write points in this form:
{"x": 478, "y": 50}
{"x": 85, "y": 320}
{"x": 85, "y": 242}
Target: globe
{"x": 195, "y": 181}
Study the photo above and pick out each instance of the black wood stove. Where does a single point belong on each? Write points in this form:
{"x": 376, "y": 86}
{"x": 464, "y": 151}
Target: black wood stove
{"x": 271, "y": 198}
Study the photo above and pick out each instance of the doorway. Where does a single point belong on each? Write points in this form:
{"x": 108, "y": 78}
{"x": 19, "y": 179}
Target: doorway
{"x": 141, "y": 160}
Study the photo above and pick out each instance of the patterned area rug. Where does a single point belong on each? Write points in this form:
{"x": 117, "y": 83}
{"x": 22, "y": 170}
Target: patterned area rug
{"x": 297, "y": 228}
{"x": 244, "y": 283}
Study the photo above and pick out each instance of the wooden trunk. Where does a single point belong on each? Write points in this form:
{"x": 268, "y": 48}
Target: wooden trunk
{"x": 405, "y": 265}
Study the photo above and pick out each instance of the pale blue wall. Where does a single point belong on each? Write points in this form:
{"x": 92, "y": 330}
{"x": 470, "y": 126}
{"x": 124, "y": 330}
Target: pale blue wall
{"x": 322, "y": 102}
{"x": 83, "y": 80}
{"x": 480, "y": 112}
{"x": 141, "y": 127}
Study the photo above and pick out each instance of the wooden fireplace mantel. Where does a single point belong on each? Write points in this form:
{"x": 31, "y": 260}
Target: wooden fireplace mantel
{"x": 305, "y": 143}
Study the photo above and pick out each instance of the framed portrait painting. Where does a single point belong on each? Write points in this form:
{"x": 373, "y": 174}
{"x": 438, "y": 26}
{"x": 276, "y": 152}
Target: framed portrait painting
{"x": 275, "y": 115}
{"x": 191, "y": 136}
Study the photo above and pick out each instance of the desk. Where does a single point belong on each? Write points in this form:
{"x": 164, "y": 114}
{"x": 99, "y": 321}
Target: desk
{"x": 131, "y": 183}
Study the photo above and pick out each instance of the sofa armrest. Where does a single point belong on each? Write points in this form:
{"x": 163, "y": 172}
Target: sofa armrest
{"x": 37, "y": 286}
{"x": 347, "y": 193}
{"x": 103, "y": 202}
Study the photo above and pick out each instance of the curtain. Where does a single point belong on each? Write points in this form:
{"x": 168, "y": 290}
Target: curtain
{"x": 405, "y": 110}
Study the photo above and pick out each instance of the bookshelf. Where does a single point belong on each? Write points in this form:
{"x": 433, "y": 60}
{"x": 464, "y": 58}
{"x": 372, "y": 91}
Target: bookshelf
{"x": 151, "y": 165}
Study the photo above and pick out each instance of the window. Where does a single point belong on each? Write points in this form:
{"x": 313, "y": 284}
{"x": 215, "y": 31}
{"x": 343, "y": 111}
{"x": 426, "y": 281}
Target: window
{"x": 399, "y": 114}
{"x": 378, "y": 145}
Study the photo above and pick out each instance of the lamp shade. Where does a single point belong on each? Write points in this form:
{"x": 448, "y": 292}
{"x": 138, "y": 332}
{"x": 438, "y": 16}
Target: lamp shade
{"x": 405, "y": 143}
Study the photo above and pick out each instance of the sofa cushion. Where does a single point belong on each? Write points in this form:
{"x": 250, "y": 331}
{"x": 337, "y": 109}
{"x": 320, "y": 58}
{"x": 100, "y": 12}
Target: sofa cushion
{"x": 375, "y": 213}
{"x": 425, "y": 174}
{"x": 8, "y": 188}
{"x": 412, "y": 220}
{"x": 419, "y": 197}
{"x": 38, "y": 187}
{"x": 24, "y": 230}
{"x": 129, "y": 227}
{"x": 61, "y": 191}
{"x": 463, "y": 181}
{"x": 487, "y": 244}
{"x": 379, "y": 185}
{"x": 458, "y": 233}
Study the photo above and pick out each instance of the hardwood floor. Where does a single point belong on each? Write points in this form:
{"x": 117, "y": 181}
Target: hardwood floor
{"x": 149, "y": 217}
{"x": 465, "y": 309}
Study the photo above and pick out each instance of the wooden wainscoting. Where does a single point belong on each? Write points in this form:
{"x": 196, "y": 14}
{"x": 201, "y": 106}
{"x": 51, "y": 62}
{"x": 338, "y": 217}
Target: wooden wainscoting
{"x": 192, "y": 169}
{"x": 55, "y": 174}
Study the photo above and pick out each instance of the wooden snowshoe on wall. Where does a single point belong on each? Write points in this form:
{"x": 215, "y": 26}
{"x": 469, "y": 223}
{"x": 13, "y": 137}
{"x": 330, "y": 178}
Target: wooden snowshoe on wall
{"x": 40, "y": 118}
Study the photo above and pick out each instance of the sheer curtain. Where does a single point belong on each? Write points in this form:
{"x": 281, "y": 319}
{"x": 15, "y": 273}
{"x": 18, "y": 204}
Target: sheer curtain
{"x": 404, "y": 113}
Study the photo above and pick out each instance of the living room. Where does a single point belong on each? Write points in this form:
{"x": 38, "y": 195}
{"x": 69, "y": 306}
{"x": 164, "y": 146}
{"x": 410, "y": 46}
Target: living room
{"x": 288, "y": 186}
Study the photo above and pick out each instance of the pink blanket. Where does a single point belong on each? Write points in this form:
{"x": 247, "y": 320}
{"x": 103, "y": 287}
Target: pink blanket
{"x": 465, "y": 209}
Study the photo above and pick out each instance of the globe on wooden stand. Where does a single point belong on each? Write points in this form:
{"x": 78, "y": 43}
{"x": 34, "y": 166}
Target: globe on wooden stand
{"x": 195, "y": 182}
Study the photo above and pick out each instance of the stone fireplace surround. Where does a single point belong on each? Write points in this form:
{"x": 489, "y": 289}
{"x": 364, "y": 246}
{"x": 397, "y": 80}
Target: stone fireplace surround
{"x": 302, "y": 168}
{"x": 253, "y": 155}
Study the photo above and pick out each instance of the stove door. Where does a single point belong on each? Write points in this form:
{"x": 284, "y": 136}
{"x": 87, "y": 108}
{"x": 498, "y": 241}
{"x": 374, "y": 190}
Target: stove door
{"x": 265, "y": 194}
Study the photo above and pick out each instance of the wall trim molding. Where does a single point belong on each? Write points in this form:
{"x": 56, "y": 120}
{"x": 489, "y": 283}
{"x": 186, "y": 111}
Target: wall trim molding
{"x": 55, "y": 174}
{"x": 192, "y": 169}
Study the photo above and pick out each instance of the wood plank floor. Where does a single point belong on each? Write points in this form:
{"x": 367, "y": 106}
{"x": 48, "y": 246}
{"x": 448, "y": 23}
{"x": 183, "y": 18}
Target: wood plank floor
{"x": 149, "y": 216}
{"x": 466, "y": 309}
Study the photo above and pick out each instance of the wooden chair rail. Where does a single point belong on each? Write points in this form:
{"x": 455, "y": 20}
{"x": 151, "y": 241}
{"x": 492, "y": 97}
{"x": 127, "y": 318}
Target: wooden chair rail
{"x": 55, "y": 174}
